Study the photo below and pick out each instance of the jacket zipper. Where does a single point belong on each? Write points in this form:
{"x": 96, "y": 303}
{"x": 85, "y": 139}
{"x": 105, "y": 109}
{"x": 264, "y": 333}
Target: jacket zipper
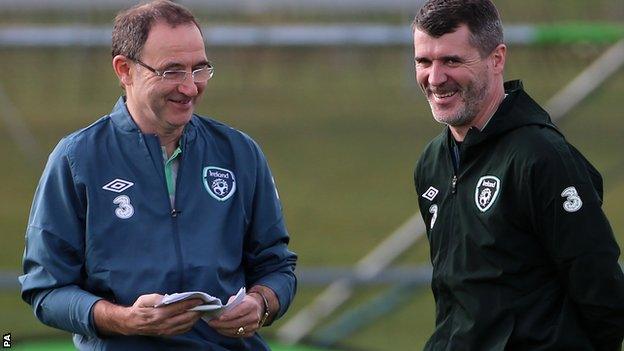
{"x": 454, "y": 184}
{"x": 175, "y": 212}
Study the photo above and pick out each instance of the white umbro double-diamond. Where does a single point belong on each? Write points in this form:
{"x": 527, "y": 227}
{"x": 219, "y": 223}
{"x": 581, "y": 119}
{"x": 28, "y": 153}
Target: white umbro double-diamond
{"x": 118, "y": 185}
{"x": 430, "y": 194}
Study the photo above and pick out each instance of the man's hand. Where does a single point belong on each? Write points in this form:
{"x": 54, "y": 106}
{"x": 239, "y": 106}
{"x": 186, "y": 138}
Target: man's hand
{"x": 142, "y": 318}
{"x": 242, "y": 321}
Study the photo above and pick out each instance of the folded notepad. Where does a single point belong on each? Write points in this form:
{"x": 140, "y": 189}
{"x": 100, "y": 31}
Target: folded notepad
{"x": 211, "y": 306}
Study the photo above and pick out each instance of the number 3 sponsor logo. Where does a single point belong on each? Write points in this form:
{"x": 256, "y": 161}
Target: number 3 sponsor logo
{"x": 434, "y": 215}
{"x": 125, "y": 209}
{"x": 573, "y": 201}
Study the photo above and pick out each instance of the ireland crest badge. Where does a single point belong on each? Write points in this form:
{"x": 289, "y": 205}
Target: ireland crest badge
{"x": 486, "y": 192}
{"x": 219, "y": 182}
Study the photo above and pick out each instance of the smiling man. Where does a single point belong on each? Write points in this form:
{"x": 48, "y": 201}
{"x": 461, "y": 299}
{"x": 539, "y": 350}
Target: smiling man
{"x": 153, "y": 199}
{"x": 523, "y": 256}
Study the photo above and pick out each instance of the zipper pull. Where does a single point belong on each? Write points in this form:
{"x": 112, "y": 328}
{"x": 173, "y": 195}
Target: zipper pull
{"x": 174, "y": 213}
{"x": 454, "y": 184}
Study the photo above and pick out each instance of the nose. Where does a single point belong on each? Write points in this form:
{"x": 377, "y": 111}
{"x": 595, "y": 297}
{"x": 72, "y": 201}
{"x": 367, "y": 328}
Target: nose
{"x": 437, "y": 74}
{"x": 188, "y": 86}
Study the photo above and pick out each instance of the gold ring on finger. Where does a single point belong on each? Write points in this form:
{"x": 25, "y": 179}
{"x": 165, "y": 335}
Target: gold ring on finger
{"x": 240, "y": 331}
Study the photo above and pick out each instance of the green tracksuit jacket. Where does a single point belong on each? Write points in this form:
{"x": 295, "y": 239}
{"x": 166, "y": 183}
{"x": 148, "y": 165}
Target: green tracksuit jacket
{"x": 523, "y": 255}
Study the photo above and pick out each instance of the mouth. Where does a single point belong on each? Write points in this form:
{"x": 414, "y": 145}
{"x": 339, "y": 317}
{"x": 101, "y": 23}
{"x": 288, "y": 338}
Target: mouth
{"x": 183, "y": 101}
{"x": 443, "y": 95}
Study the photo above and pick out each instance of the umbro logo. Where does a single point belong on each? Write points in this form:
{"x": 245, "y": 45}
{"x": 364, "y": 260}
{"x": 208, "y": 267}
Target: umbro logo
{"x": 430, "y": 194}
{"x": 118, "y": 185}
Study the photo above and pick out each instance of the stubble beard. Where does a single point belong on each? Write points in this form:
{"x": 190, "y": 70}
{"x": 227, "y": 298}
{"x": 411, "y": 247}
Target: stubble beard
{"x": 472, "y": 95}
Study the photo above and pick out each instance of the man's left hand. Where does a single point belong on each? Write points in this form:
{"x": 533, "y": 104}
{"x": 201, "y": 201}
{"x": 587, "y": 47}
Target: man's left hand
{"x": 242, "y": 321}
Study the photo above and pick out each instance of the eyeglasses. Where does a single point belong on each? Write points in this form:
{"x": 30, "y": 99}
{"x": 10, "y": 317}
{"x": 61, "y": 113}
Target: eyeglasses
{"x": 200, "y": 75}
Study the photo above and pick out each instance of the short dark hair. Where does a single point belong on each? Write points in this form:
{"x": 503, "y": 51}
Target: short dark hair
{"x": 439, "y": 17}
{"x": 131, "y": 26}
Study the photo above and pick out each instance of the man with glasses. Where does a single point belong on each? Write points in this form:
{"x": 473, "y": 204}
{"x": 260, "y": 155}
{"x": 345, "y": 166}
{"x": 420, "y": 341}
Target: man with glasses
{"x": 152, "y": 200}
{"x": 523, "y": 256}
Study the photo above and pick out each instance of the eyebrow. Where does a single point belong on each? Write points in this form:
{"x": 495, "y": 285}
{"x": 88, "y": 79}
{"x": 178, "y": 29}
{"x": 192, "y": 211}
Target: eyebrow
{"x": 443, "y": 58}
{"x": 453, "y": 57}
{"x": 202, "y": 63}
{"x": 177, "y": 65}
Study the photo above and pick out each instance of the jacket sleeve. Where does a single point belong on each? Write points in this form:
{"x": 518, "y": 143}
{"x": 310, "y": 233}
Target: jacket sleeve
{"x": 268, "y": 260}
{"x": 567, "y": 194}
{"x": 54, "y": 256}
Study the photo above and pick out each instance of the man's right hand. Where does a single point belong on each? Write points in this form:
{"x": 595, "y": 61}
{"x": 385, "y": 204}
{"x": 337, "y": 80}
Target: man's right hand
{"x": 142, "y": 318}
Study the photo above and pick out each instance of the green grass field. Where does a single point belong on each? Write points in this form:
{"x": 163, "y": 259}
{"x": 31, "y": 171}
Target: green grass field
{"x": 342, "y": 129}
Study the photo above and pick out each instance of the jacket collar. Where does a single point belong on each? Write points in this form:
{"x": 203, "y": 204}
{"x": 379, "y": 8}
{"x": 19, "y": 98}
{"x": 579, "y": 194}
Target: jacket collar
{"x": 121, "y": 117}
{"x": 518, "y": 109}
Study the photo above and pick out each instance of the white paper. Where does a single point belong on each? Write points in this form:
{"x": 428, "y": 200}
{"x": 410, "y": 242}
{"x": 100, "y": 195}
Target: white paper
{"x": 211, "y": 307}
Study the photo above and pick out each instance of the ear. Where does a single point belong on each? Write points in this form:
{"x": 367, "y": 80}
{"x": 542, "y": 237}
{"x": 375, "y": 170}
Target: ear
{"x": 498, "y": 58}
{"x": 122, "y": 68}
